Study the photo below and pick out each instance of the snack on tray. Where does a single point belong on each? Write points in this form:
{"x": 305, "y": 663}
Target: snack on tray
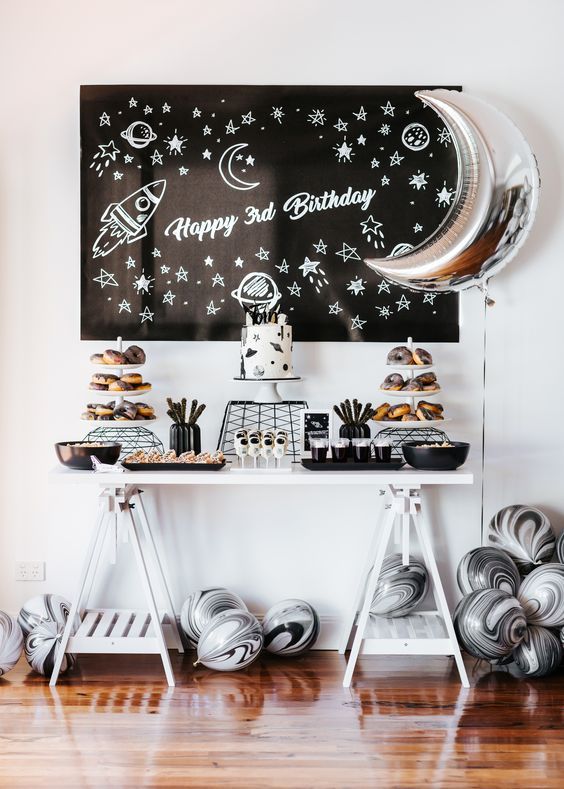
{"x": 152, "y": 456}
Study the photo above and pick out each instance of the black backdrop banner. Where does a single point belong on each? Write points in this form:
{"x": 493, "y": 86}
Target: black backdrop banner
{"x": 196, "y": 200}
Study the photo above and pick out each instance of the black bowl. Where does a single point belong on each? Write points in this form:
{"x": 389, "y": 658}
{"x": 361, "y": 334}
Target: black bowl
{"x": 435, "y": 458}
{"x": 72, "y": 455}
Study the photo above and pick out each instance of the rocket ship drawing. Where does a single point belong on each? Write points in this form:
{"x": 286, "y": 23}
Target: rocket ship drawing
{"x": 127, "y": 221}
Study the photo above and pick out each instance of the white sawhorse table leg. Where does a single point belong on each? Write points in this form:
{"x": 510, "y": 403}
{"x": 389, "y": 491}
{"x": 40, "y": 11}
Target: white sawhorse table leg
{"x": 113, "y": 630}
{"x": 425, "y": 633}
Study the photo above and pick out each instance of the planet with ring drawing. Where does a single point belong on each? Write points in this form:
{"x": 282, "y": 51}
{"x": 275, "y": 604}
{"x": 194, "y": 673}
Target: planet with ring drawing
{"x": 257, "y": 290}
{"x": 139, "y": 134}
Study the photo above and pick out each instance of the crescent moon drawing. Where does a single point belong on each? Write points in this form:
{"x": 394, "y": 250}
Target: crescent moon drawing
{"x": 227, "y": 173}
{"x": 493, "y": 208}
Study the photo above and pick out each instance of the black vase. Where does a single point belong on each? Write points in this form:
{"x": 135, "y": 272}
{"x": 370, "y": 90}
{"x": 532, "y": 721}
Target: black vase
{"x": 354, "y": 431}
{"x": 184, "y": 438}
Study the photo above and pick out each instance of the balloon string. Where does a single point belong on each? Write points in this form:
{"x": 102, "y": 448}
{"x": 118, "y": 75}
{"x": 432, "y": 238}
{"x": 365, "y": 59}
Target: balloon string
{"x": 487, "y": 303}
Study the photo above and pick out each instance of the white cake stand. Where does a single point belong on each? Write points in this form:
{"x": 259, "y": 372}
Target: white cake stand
{"x": 268, "y": 388}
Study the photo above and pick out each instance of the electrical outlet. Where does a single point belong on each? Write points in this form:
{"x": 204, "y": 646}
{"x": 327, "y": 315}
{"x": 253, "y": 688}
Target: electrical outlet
{"x": 30, "y": 571}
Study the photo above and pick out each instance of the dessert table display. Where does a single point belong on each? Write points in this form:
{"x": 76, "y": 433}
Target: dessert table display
{"x": 154, "y": 628}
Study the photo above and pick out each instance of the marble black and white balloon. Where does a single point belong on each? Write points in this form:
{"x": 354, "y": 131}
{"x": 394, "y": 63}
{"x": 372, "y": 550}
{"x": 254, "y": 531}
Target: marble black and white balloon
{"x": 487, "y": 568}
{"x": 400, "y": 587}
{"x": 43, "y": 608}
{"x": 200, "y": 607}
{"x": 11, "y": 642}
{"x": 560, "y": 548}
{"x": 542, "y": 596}
{"x": 42, "y": 646}
{"x": 290, "y": 627}
{"x": 489, "y": 623}
{"x": 539, "y": 653}
{"x": 231, "y": 641}
{"x": 525, "y": 534}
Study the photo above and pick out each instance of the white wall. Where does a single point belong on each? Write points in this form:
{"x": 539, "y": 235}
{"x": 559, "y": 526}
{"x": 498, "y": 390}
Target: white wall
{"x": 507, "y": 52}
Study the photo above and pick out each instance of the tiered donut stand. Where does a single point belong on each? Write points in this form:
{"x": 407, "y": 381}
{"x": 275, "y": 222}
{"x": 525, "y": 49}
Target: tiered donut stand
{"x": 397, "y": 433}
{"x": 130, "y": 434}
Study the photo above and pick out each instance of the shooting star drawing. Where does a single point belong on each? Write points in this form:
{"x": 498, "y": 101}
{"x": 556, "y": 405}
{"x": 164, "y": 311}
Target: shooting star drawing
{"x": 127, "y": 221}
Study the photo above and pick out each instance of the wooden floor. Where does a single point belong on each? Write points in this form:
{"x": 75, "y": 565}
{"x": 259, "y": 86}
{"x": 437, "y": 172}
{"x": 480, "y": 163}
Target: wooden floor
{"x": 405, "y": 723}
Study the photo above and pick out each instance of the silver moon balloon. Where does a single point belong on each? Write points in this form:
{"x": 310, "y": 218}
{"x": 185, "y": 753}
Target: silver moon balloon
{"x": 400, "y": 587}
{"x": 11, "y": 642}
{"x": 42, "y": 646}
{"x": 201, "y": 607}
{"x": 487, "y": 568}
{"x": 542, "y": 596}
{"x": 43, "y": 608}
{"x": 524, "y": 533}
{"x": 290, "y": 628}
{"x": 489, "y": 623}
{"x": 539, "y": 653}
{"x": 231, "y": 641}
{"x": 493, "y": 208}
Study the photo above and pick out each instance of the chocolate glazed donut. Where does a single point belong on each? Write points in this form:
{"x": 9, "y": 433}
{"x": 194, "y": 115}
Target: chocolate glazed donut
{"x": 135, "y": 355}
{"x": 400, "y": 355}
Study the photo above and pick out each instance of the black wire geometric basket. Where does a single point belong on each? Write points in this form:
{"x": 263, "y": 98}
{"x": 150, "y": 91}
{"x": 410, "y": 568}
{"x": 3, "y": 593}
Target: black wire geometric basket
{"x": 396, "y": 436}
{"x": 130, "y": 438}
{"x": 249, "y": 415}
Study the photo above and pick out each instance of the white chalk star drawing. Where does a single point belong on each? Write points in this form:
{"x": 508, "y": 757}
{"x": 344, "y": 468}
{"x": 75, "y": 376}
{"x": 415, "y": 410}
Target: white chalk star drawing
{"x": 156, "y": 253}
{"x": 218, "y": 280}
{"x": 231, "y": 128}
{"x": 247, "y": 119}
{"x": 295, "y": 289}
{"x": 320, "y": 247}
{"x": 239, "y": 262}
{"x": 181, "y": 275}
{"x": 375, "y": 163}
{"x": 118, "y": 176}
{"x": 124, "y": 306}
{"x": 166, "y": 107}
{"x": 317, "y": 117}
{"x": 208, "y": 261}
{"x": 388, "y": 109}
{"x": 371, "y": 229}
{"x": 103, "y": 157}
{"x": 132, "y": 102}
{"x": 395, "y": 158}
{"x": 356, "y": 286}
{"x": 357, "y": 323}
{"x": 341, "y": 126}
{"x": 165, "y": 269}
{"x": 343, "y": 152}
{"x": 385, "y": 312}
{"x": 277, "y": 114}
{"x": 403, "y": 303}
{"x": 417, "y": 228}
{"x": 444, "y": 137}
{"x": 383, "y": 286}
{"x": 360, "y": 115}
{"x": 106, "y": 279}
{"x": 148, "y": 110}
{"x": 384, "y": 129}
{"x": 105, "y": 119}
{"x": 143, "y": 284}
{"x": 196, "y": 112}
{"x": 169, "y": 297}
{"x": 206, "y": 154}
{"x": 128, "y": 158}
{"x": 418, "y": 181}
{"x": 361, "y": 139}
{"x": 444, "y": 196}
{"x": 212, "y": 309}
{"x": 385, "y": 180}
{"x": 146, "y": 315}
{"x": 315, "y": 275}
{"x": 175, "y": 143}
{"x": 283, "y": 268}
{"x": 335, "y": 309}
{"x": 206, "y": 130}
{"x": 250, "y": 160}
{"x": 156, "y": 158}
{"x": 348, "y": 253}
{"x": 183, "y": 170}
{"x": 429, "y": 298}
{"x": 130, "y": 262}
{"x": 262, "y": 254}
